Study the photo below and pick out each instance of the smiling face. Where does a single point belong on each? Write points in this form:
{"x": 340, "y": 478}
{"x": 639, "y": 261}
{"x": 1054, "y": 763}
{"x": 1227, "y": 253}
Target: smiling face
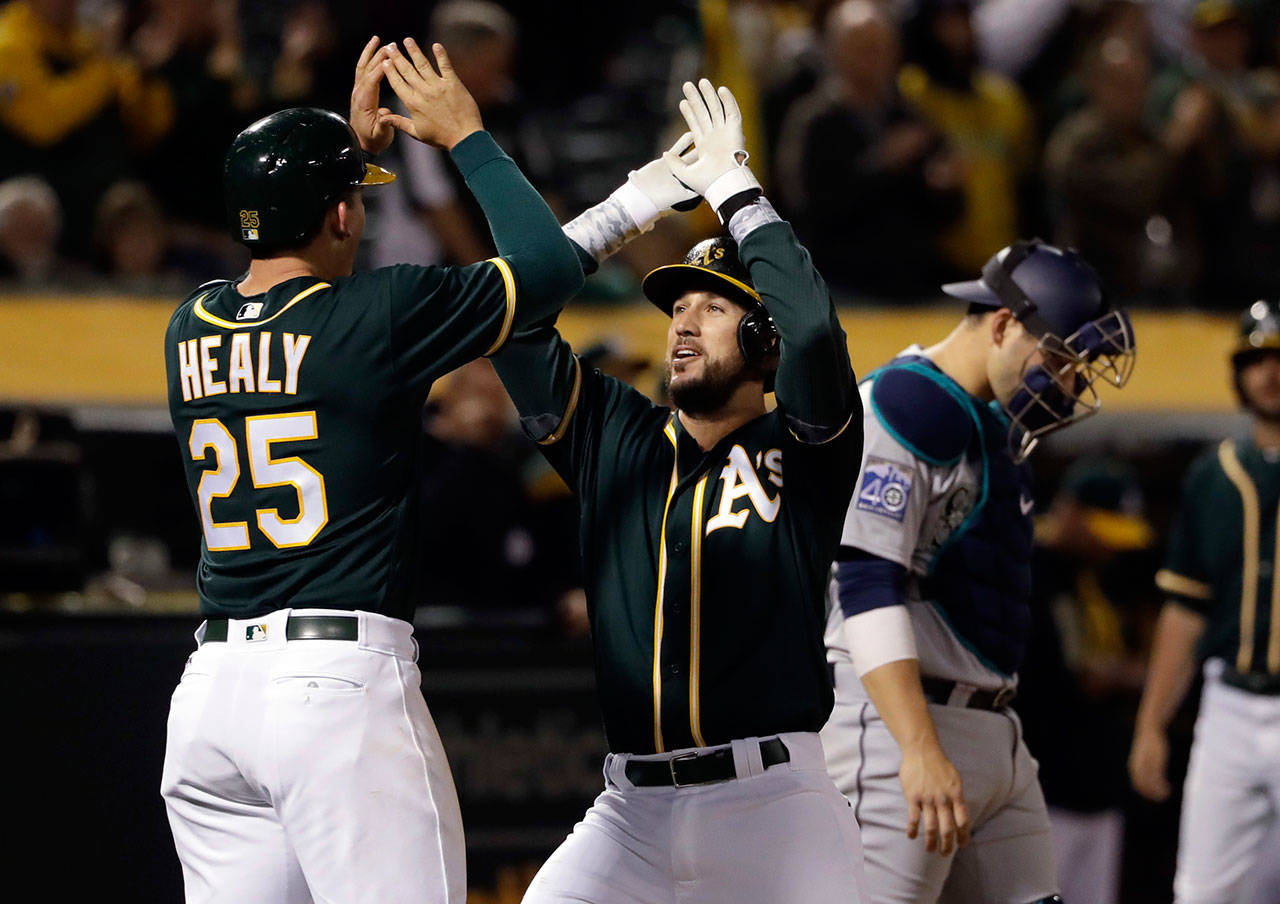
{"x": 704, "y": 363}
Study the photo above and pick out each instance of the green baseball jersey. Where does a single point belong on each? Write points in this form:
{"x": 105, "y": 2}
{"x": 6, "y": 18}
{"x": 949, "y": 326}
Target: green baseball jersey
{"x": 1222, "y": 554}
{"x": 706, "y": 571}
{"x": 298, "y": 411}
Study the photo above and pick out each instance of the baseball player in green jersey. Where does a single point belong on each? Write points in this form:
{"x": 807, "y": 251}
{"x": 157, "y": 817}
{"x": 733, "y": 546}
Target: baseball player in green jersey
{"x": 707, "y": 537}
{"x": 302, "y": 763}
{"x": 1224, "y": 610}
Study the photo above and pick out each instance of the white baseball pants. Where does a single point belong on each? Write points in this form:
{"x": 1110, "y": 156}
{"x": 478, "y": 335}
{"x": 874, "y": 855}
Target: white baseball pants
{"x": 771, "y": 836}
{"x": 1231, "y": 798}
{"x": 310, "y": 770}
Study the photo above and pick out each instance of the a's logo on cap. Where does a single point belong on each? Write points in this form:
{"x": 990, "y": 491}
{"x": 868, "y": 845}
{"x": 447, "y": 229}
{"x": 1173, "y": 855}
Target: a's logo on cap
{"x": 711, "y": 254}
{"x": 249, "y": 310}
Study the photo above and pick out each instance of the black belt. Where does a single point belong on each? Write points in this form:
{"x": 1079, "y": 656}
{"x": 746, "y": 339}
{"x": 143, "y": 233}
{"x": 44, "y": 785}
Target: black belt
{"x": 700, "y": 768}
{"x": 1253, "y": 682}
{"x": 299, "y": 627}
{"x": 938, "y": 690}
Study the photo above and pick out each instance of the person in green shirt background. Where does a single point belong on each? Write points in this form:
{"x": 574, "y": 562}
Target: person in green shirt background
{"x": 1223, "y": 610}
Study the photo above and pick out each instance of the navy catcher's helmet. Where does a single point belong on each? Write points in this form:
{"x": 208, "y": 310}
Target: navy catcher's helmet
{"x": 1058, "y": 297}
{"x": 283, "y": 172}
{"x": 713, "y": 266}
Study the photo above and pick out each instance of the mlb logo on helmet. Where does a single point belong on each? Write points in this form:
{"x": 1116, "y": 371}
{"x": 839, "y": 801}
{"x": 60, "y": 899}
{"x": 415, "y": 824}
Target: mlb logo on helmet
{"x": 254, "y": 633}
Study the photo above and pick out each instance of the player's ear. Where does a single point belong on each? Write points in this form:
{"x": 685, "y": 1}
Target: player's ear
{"x": 339, "y": 220}
{"x": 999, "y": 326}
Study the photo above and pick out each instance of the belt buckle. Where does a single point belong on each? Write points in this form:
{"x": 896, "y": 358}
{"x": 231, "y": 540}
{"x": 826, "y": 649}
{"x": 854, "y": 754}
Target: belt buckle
{"x": 1004, "y": 697}
{"x": 671, "y": 767}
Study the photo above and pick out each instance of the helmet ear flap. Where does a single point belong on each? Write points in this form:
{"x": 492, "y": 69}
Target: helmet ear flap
{"x": 758, "y": 341}
{"x": 757, "y": 336}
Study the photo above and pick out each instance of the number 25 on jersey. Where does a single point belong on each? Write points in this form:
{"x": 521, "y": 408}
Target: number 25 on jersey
{"x": 260, "y": 433}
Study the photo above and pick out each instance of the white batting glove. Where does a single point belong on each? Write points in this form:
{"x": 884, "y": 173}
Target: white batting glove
{"x": 652, "y": 191}
{"x": 720, "y": 170}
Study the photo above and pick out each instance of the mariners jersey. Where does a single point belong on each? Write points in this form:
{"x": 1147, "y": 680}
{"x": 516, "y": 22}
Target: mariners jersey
{"x": 705, "y": 571}
{"x": 298, "y": 411}
{"x": 1223, "y": 551}
{"x": 938, "y": 494}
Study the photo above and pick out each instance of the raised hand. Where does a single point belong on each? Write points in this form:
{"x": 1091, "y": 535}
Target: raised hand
{"x": 441, "y": 110}
{"x": 368, "y": 117}
{"x": 718, "y": 171}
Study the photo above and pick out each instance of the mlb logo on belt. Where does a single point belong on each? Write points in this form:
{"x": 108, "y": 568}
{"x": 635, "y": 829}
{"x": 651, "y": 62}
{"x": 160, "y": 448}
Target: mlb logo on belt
{"x": 255, "y": 633}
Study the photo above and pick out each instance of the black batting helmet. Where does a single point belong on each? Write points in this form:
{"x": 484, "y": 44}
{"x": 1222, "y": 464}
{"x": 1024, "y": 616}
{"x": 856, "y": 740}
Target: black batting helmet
{"x": 1259, "y": 335}
{"x": 713, "y": 266}
{"x": 283, "y": 172}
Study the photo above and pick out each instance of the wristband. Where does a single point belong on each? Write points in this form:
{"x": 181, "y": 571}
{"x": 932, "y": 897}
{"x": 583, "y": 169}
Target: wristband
{"x": 735, "y": 203}
{"x": 738, "y": 179}
{"x": 637, "y": 205}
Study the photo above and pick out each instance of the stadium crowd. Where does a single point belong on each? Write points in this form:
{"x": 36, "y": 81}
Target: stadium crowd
{"x": 922, "y": 133}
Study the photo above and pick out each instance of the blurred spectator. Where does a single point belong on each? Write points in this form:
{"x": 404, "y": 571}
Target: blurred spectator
{"x": 868, "y": 183}
{"x": 426, "y": 217}
{"x": 308, "y": 45}
{"x": 1079, "y": 688}
{"x": 983, "y": 117}
{"x": 136, "y": 247}
{"x": 30, "y": 223}
{"x": 1112, "y": 179}
{"x": 72, "y": 105}
{"x": 195, "y": 45}
{"x": 1229, "y": 119}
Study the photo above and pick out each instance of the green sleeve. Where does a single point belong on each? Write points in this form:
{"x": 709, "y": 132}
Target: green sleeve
{"x": 525, "y": 231}
{"x": 442, "y": 317}
{"x": 570, "y": 411}
{"x": 1184, "y": 575}
{"x": 815, "y": 384}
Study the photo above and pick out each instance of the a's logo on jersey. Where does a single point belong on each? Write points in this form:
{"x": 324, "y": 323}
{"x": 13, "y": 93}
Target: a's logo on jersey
{"x": 740, "y": 479}
{"x": 255, "y": 633}
{"x": 249, "y": 310}
{"x": 885, "y": 489}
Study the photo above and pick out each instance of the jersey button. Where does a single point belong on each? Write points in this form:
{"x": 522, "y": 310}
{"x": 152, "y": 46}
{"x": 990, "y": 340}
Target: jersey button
{"x": 679, "y": 547}
{"x": 673, "y": 670}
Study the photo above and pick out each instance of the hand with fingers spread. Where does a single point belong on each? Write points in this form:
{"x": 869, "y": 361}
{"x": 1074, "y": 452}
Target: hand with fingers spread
{"x": 935, "y": 798}
{"x": 368, "y": 116}
{"x": 441, "y": 110}
{"x": 718, "y": 171}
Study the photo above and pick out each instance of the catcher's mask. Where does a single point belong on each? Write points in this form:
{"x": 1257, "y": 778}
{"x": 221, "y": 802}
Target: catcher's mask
{"x": 1058, "y": 297}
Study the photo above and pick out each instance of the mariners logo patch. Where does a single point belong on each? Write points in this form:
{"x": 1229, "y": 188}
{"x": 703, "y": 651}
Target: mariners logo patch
{"x": 249, "y": 310}
{"x": 885, "y": 489}
{"x": 255, "y": 633}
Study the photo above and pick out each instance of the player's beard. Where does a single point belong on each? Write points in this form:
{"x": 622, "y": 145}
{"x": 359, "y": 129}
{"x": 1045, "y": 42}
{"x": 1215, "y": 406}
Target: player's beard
{"x": 710, "y": 392}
